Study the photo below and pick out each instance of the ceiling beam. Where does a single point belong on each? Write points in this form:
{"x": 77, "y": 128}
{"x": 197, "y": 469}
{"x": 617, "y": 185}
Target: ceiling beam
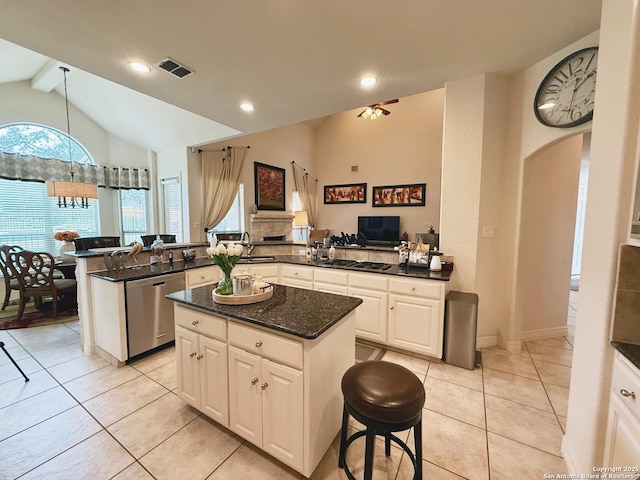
{"x": 48, "y": 77}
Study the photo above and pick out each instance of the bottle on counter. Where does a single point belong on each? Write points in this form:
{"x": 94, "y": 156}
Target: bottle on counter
{"x": 157, "y": 249}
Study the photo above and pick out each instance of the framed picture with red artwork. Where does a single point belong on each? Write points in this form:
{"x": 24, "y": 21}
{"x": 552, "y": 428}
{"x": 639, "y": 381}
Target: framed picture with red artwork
{"x": 351, "y": 193}
{"x": 270, "y": 186}
{"x": 400, "y": 195}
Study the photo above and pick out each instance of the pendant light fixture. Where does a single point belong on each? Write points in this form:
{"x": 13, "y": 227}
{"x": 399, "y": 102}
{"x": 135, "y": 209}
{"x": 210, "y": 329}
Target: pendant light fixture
{"x": 71, "y": 194}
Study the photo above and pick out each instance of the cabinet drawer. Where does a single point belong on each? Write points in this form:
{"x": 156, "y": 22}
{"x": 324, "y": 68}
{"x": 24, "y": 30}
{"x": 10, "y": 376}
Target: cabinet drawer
{"x": 297, "y": 272}
{"x": 417, "y": 288}
{"x": 266, "y": 344}
{"x": 626, "y": 377}
{"x": 265, "y": 271}
{"x": 373, "y": 282}
{"x": 330, "y": 276}
{"x": 206, "y": 324}
{"x": 202, "y": 276}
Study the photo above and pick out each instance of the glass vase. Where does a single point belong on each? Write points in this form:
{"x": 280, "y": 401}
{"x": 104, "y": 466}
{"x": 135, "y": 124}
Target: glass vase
{"x": 225, "y": 285}
{"x": 67, "y": 247}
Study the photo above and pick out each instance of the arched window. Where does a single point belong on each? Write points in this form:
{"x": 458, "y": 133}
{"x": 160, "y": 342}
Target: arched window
{"x": 41, "y": 141}
{"x": 30, "y": 218}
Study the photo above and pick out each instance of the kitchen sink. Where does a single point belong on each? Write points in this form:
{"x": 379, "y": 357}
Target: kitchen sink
{"x": 257, "y": 258}
{"x": 357, "y": 265}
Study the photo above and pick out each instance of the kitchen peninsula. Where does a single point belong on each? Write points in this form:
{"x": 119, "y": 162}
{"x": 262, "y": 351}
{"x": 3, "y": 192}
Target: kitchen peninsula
{"x": 403, "y": 306}
{"x": 268, "y": 371}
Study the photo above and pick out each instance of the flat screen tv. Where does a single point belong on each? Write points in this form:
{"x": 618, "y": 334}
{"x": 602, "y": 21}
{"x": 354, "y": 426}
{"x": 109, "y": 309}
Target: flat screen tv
{"x": 380, "y": 230}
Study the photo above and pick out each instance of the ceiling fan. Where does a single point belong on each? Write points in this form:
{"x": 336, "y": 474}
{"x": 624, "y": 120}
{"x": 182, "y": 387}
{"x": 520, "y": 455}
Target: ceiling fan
{"x": 376, "y": 110}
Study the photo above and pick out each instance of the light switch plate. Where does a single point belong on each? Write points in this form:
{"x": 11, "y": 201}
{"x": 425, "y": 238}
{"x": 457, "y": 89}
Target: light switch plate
{"x": 489, "y": 232}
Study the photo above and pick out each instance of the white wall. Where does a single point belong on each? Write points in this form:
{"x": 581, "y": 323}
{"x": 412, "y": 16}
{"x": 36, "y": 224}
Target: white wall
{"x": 550, "y": 194}
{"x": 475, "y": 129}
{"x": 404, "y": 147}
{"x": 21, "y": 103}
{"x": 277, "y": 147}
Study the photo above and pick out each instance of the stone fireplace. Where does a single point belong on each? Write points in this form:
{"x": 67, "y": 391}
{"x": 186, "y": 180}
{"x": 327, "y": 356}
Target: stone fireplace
{"x": 271, "y": 225}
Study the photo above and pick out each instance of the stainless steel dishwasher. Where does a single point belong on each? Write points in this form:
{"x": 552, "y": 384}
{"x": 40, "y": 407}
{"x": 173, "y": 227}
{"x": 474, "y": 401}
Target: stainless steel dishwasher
{"x": 149, "y": 314}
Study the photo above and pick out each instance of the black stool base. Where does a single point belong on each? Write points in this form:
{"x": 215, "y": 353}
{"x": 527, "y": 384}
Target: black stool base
{"x": 379, "y": 429}
{"x": 26, "y": 379}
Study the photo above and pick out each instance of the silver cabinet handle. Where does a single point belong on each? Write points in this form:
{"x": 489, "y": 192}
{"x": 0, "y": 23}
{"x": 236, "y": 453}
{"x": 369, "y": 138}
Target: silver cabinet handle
{"x": 627, "y": 393}
{"x": 258, "y": 343}
{"x": 264, "y": 385}
{"x": 254, "y": 381}
{"x": 202, "y": 277}
{"x": 199, "y": 357}
{"x": 195, "y": 322}
{"x": 192, "y": 354}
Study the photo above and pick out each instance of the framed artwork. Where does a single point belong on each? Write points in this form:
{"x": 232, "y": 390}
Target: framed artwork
{"x": 400, "y": 195}
{"x": 350, "y": 193}
{"x": 269, "y": 186}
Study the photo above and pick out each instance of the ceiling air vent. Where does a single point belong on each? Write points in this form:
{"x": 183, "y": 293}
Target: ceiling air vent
{"x": 174, "y": 68}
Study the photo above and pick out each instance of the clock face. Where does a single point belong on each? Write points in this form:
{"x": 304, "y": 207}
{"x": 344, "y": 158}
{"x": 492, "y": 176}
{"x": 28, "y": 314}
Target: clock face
{"x": 565, "y": 97}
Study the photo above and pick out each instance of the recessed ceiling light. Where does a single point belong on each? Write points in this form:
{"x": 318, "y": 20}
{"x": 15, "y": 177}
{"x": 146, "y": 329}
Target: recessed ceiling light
{"x": 247, "y": 107}
{"x": 139, "y": 67}
{"x": 368, "y": 81}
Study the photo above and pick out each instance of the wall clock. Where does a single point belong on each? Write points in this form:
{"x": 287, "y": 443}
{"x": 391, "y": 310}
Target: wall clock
{"x": 565, "y": 97}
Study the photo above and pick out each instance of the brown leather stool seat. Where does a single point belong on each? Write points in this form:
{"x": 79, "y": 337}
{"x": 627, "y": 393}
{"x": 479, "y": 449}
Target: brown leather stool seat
{"x": 386, "y": 398}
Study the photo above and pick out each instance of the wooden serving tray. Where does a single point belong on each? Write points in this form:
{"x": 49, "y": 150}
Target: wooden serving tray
{"x": 242, "y": 299}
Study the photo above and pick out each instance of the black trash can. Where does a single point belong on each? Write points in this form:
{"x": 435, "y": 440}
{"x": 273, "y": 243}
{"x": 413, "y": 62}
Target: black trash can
{"x": 460, "y": 328}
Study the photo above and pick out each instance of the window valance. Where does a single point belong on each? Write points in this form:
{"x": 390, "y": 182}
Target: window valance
{"x": 36, "y": 169}
{"x": 128, "y": 178}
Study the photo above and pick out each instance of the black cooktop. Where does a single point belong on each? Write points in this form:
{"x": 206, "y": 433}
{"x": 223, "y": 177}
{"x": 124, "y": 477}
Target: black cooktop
{"x": 339, "y": 262}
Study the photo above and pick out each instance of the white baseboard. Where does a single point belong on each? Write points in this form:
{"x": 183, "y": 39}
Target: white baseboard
{"x": 543, "y": 333}
{"x": 488, "y": 341}
{"x": 568, "y": 456}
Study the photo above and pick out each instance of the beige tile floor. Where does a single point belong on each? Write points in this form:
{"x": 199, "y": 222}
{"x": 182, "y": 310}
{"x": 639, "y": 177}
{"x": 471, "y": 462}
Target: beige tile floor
{"x": 81, "y": 418}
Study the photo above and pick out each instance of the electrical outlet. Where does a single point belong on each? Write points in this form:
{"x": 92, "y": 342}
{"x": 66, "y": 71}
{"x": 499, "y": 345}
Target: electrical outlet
{"x": 196, "y": 225}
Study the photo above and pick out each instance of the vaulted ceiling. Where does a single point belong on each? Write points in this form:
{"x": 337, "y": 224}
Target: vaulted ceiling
{"x": 294, "y": 60}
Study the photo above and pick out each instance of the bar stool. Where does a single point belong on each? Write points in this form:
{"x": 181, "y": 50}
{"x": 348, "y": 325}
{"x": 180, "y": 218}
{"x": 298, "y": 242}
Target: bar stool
{"x": 386, "y": 398}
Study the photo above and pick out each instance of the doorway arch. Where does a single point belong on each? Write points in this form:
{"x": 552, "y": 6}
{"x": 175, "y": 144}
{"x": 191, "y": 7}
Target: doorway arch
{"x": 550, "y": 183}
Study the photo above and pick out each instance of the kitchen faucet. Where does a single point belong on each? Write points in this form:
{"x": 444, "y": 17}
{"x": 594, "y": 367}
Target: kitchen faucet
{"x": 248, "y": 243}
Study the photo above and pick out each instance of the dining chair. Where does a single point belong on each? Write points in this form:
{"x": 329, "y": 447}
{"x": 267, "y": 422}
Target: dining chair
{"x": 147, "y": 240}
{"x": 10, "y": 281}
{"x": 36, "y": 278}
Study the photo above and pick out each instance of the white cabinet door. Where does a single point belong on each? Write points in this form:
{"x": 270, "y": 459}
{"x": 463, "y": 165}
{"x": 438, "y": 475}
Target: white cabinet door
{"x": 245, "y": 409}
{"x": 371, "y": 315}
{"x": 213, "y": 380}
{"x": 282, "y": 412}
{"x": 415, "y": 324}
{"x": 623, "y": 437}
{"x": 188, "y": 368}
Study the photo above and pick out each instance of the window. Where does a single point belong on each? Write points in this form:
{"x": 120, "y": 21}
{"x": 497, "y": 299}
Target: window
{"x": 133, "y": 215}
{"x": 171, "y": 205}
{"x": 234, "y": 220}
{"x": 30, "y": 218}
{"x": 41, "y": 141}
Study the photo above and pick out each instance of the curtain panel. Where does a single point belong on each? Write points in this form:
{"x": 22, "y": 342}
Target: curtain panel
{"x": 221, "y": 177}
{"x": 128, "y": 178}
{"x": 36, "y": 169}
{"x": 306, "y": 188}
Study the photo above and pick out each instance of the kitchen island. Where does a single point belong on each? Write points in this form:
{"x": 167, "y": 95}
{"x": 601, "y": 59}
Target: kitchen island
{"x": 268, "y": 371}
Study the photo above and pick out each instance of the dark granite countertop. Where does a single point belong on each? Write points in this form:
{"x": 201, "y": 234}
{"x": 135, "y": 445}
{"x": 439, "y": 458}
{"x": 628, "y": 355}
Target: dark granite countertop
{"x": 167, "y": 246}
{"x": 147, "y": 271}
{"x": 296, "y": 311}
{"x": 629, "y": 350}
